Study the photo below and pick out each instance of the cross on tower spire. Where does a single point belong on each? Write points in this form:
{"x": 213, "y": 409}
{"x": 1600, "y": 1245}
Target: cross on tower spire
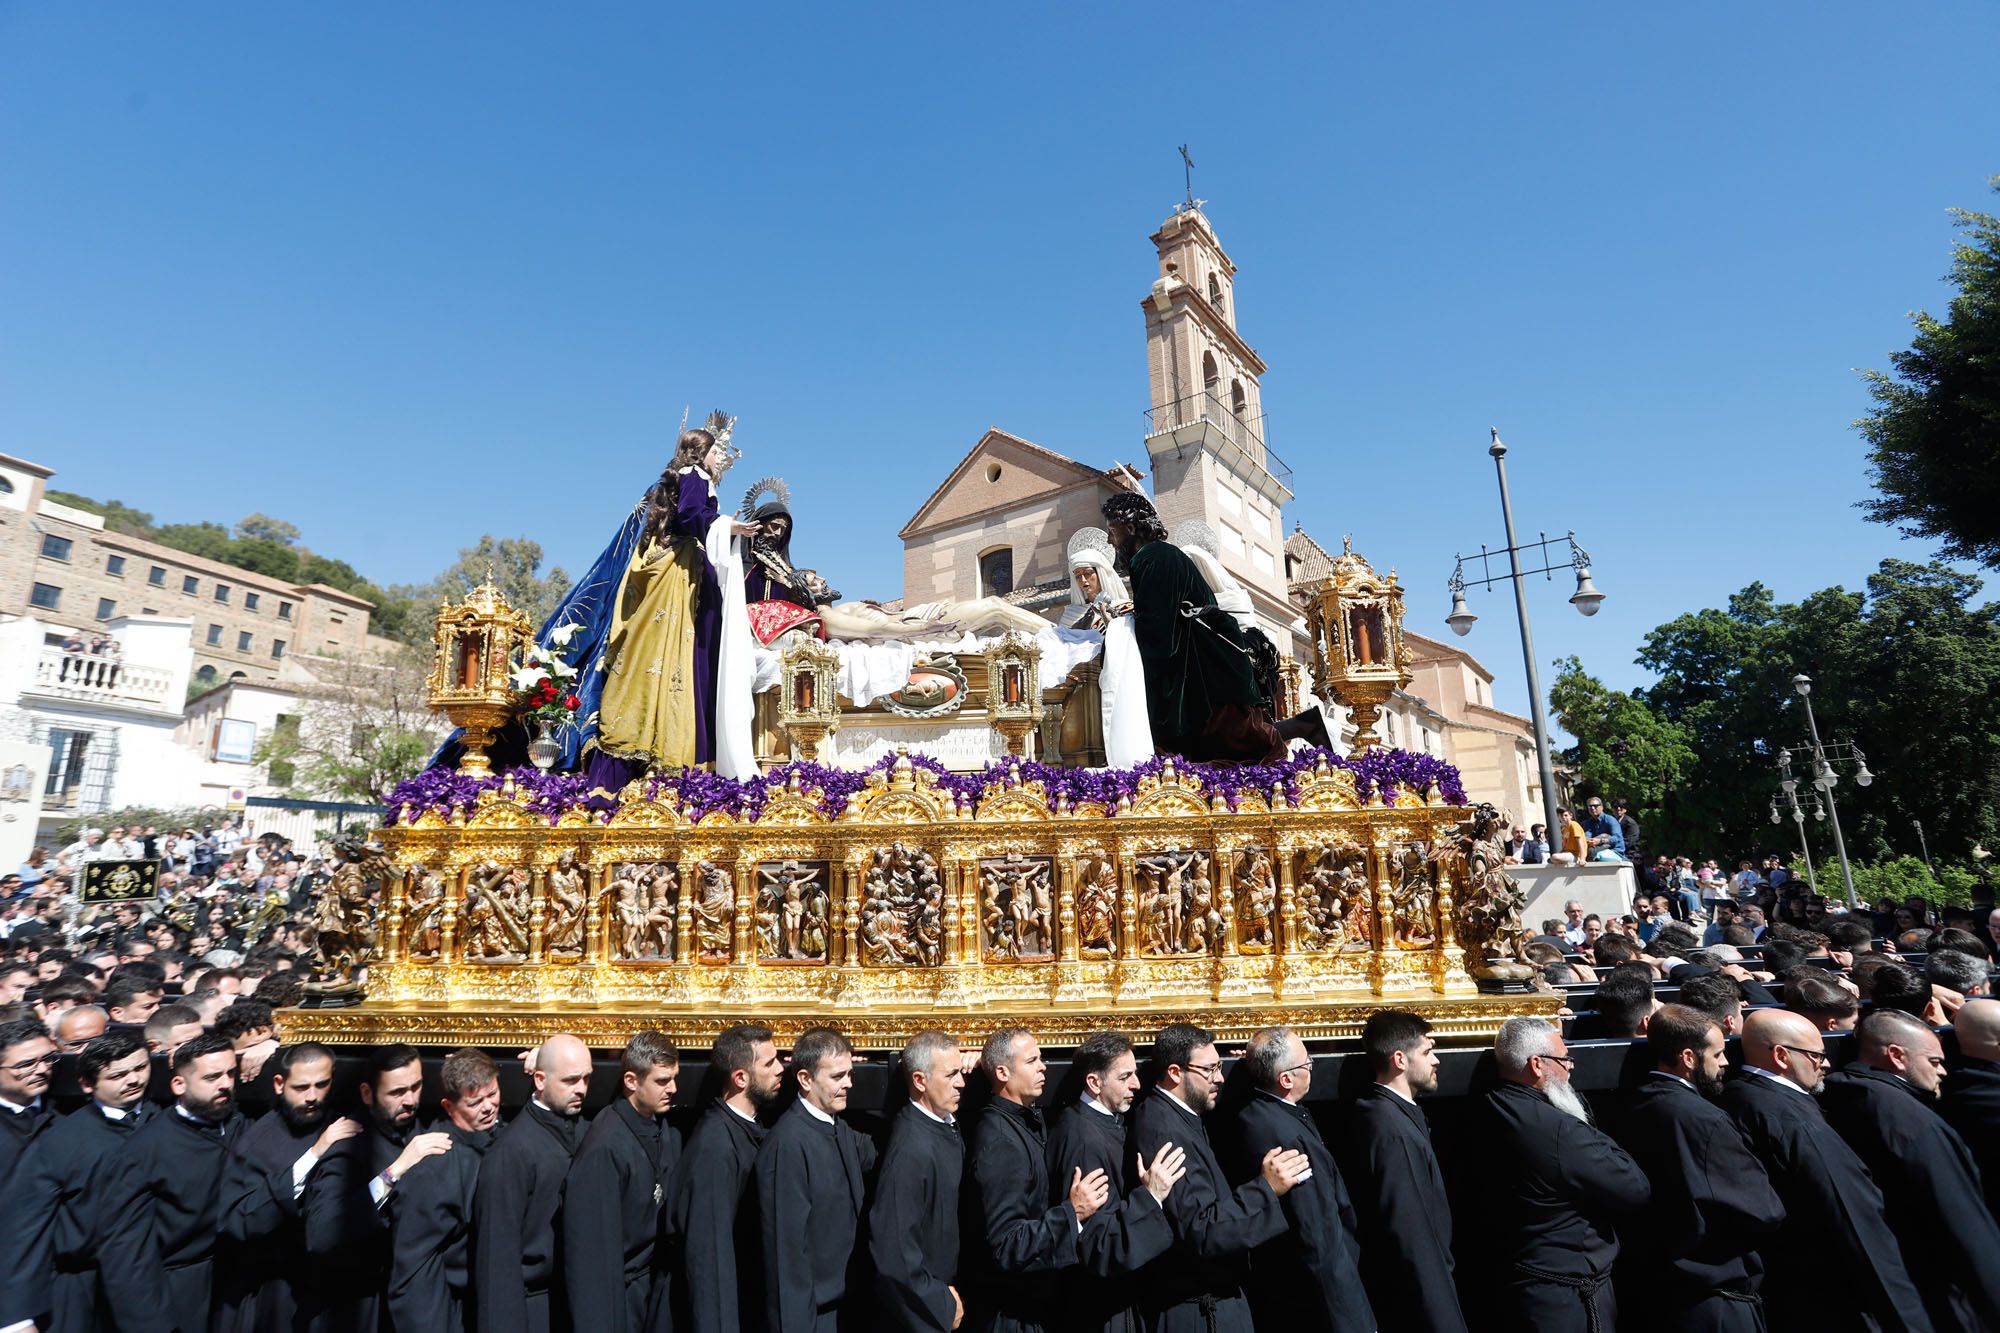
{"x": 1190, "y": 203}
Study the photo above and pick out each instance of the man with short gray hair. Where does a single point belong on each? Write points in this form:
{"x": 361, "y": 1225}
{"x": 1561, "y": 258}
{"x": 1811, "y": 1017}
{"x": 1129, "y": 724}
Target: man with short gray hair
{"x": 1879, "y": 1104}
{"x": 913, "y": 1222}
{"x": 1305, "y": 1277}
{"x": 1555, "y": 1191}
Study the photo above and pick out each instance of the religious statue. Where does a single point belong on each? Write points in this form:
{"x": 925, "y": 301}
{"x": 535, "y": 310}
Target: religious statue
{"x": 493, "y": 925}
{"x": 1260, "y": 901}
{"x": 1098, "y": 601}
{"x": 563, "y": 926}
{"x": 781, "y": 597}
{"x": 1097, "y": 909}
{"x": 344, "y": 918}
{"x": 1181, "y": 917}
{"x": 901, "y": 885}
{"x": 658, "y": 932}
{"x": 627, "y": 897}
{"x": 1490, "y": 903}
{"x": 423, "y": 914}
{"x": 1019, "y": 909}
{"x": 1333, "y": 898}
{"x": 790, "y": 897}
{"x": 714, "y": 913}
{"x": 1413, "y": 899}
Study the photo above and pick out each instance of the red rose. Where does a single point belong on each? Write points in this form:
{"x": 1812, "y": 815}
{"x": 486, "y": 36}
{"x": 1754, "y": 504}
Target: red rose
{"x": 571, "y": 702}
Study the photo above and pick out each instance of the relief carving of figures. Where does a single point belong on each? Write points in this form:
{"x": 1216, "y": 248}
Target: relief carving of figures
{"x": 1097, "y": 908}
{"x": 496, "y": 912}
{"x": 423, "y": 914}
{"x": 1257, "y": 899}
{"x": 643, "y": 897}
{"x": 902, "y": 908}
{"x": 1017, "y": 902}
{"x": 563, "y": 926}
{"x": 1490, "y": 903}
{"x": 714, "y": 912}
{"x": 344, "y": 919}
{"x": 791, "y": 912}
{"x": 1333, "y": 899}
{"x": 1178, "y": 901}
{"x": 1413, "y": 898}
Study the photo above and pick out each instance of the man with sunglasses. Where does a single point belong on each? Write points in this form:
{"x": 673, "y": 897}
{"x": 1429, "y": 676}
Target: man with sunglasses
{"x": 1834, "y": 1216}
{"x": 1197, "y": 1287}
{"x": 1882, "y": 1105}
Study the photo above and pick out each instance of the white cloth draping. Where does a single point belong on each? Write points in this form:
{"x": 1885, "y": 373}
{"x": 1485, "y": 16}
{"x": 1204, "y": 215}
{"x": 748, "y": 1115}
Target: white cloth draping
{"x": 1229, "y": 594}
{"x": 736, "y": 666}
{"x": 1121, "y": 681}
{"x": 870, "y": 670}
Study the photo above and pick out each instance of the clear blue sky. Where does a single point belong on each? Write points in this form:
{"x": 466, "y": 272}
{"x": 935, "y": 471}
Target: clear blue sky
{"x": 404, "y": 274}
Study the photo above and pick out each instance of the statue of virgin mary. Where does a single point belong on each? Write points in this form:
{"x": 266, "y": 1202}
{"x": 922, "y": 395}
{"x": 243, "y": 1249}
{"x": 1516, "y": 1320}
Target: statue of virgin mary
{"x": 1098, "y": 600}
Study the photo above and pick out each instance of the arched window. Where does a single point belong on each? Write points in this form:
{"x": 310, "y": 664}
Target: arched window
{"x": 1237, "y": 402}
{"x": 1215, "y": 291}
{"x": 6, "y": 485}
{"x": 206, "y": 675}
{"x": 1209, "y": 376}
{"x": 996, "y": 572}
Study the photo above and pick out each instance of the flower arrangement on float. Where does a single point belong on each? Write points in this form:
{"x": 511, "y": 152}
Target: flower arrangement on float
{"x": 1379, "y": 776}
{"x": 545, "y": 685}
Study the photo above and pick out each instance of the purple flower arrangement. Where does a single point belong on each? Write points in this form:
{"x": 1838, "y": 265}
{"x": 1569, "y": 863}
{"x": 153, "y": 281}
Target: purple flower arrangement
{"x": 1378, "y": 776}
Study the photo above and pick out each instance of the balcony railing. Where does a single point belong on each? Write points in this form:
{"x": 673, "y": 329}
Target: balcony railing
{"x": 1210, "y": 408}
{"x": 84, "y": 677}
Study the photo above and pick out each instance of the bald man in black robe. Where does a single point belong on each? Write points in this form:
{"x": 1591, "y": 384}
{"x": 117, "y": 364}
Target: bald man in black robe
{"x": 1970, "y": 1102}
{"x": 1834, "y": 1265}
{"x": 1880, "y": 1105}
{"x": 517, "y": 1254}
{"x": 1691, "y": 1258}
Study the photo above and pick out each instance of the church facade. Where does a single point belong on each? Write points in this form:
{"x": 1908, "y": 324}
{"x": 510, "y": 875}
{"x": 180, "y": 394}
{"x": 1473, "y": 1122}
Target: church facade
{"x": 999, "y": 522}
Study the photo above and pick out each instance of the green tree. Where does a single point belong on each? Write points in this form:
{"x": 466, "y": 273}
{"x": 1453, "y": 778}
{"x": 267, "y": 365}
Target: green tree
{"x": 314, "y": 568}
{"x": 363, "y": 726}
{"x": 1907, "y": 877}
{"x": 210, "y": 541}
{"x": 260, "y": 555}
{"x": 262, "y": 527}
{"x": 1934, "y": 436}
{"x": 1623, "y": 748}
{"x": 117, "y": 515}
{"x": 515, "y": 564}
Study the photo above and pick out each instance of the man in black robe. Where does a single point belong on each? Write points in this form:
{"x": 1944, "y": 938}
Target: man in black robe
{"x": 162, "y": 1200}
{"x": 1834, "y": 1266}
{"x": 516, "y": 1258}
{"x": 1019, "y": 1242}
{"x": 717, "y": 1236}
{"x": 1881, "y": 1104}
{"x": 1691, "y": 1260}
{"x": 430, "y": 1214}
{"x": 270, "y": 1285}
{"x": 1554, "y": 1191}
{"x": 1971, "y": 1100}
{"x": 913, "y": 1219}
{"x": 1201, "y": 689}
{"x": 27, "y": 1058}
{"x": 1305, "y": 1278}
{"x": 347, "y": 1200}
{"x": 1401, "y": 1213}
{"x": 1197, "y": 1285}
{"x": 616, "y": 1193}
{"x": 1100, "y": 1295}
{"x": 53, "y": 1280}
{"x": 812, "y": 1177}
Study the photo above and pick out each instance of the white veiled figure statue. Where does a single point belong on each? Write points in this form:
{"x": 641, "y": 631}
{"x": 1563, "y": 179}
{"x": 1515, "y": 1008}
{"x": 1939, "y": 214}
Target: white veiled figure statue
{"x": 1098, "y": 599}
{"x": 1199, "y": 543}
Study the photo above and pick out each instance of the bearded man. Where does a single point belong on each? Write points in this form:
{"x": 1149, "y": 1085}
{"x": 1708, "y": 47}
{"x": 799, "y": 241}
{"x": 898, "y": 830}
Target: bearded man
{"x": 1555, "y": 1192}
{"x": 1694, "y": 1261}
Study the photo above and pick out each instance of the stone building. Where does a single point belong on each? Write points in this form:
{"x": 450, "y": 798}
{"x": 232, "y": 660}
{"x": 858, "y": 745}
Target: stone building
{"x": 61, "y": 566}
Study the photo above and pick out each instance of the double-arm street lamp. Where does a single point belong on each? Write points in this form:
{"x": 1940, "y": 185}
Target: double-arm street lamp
{"x": 1824, "y": 758}
{"x": 1586, "y": 600}
{"x": 1789, "y": 790}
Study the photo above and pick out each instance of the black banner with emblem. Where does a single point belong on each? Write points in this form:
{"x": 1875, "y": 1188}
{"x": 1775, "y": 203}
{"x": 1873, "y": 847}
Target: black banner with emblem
{"x": 120, "y": 881}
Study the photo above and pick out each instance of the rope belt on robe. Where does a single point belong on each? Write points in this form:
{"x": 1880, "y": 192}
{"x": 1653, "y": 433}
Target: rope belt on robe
{"x": 1586, "y": 1289}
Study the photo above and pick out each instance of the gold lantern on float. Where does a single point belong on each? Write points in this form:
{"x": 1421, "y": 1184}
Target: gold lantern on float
{"x": 809, "y": 696}
{"x": 471, "y": 680}
{"x": 1359, "y": 659}
{"x": 1014, "y": 690}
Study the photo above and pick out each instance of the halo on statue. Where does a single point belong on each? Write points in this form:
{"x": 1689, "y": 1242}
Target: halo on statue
{"x": 1197, "y": 533}
{"x": 772, "y": 486}
{"x": 1092, "y": 541}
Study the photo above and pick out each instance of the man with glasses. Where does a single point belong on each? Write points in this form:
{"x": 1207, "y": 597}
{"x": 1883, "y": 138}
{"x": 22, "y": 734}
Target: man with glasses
{"x": 1601, "y": 833}
{"x": 1306, "y": 1277}
{"x": 1200, "y": 1281}
{"x": 1834, "y": 1216}
{"x": 27, "y": 1058}
{"x": 1554, "y": 1193}
{"x": 1713, "y": 1209}
{"x": 1881, "y": 1104}
{"x": 54, "y": 1282}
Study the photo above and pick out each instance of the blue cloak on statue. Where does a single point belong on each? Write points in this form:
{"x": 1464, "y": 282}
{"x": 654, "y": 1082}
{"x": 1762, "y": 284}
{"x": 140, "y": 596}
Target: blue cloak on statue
{"x": 588, "y": 605}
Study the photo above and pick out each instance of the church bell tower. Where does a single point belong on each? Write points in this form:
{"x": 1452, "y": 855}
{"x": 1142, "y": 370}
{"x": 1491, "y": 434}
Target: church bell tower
{"x": 1205, "y": 430}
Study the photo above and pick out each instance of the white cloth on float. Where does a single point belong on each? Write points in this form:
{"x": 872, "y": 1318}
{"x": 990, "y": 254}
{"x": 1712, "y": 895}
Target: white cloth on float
{"x": 1121, "y": 681}
{"x": 735, "y": 744}
{"x": 1229, "y": 594}
{"x": 870, "y": 670}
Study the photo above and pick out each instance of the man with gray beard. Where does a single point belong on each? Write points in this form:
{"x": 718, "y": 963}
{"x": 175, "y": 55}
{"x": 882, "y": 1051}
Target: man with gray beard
{"x": 1554, "y": 1191}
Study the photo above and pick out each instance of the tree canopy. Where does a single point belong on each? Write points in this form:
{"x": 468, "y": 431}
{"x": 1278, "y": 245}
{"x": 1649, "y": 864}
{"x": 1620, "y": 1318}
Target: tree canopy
{"x": 1934, "y": 436}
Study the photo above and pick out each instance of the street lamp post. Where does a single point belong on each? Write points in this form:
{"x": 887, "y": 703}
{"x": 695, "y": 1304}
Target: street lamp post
{"x": 1586, "y": 600}
{"x": 1824, "y": 777}
{"x": 1789, "y": 785}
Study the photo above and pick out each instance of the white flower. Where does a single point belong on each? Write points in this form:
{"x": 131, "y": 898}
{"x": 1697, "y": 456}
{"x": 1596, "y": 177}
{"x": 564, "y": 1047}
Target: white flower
{"x": 561, "y": 668}
{"x": 562, "y": 634}
{"x": 528, "y": 677}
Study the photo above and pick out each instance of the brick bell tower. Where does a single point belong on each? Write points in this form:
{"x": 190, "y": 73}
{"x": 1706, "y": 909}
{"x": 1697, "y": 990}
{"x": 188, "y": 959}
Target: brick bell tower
{"x": 1205, "y": 429}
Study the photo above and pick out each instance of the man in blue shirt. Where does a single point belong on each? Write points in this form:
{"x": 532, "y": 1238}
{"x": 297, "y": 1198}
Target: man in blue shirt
{"x": 1601, "y": 833}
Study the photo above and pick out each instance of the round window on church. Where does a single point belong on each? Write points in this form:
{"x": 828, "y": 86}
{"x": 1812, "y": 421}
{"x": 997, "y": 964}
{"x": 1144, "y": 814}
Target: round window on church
{"x": 993, "y": 471}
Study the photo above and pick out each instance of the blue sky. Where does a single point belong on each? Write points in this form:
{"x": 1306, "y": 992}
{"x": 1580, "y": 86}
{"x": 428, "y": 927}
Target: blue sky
{"x": 405, "y": 274}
